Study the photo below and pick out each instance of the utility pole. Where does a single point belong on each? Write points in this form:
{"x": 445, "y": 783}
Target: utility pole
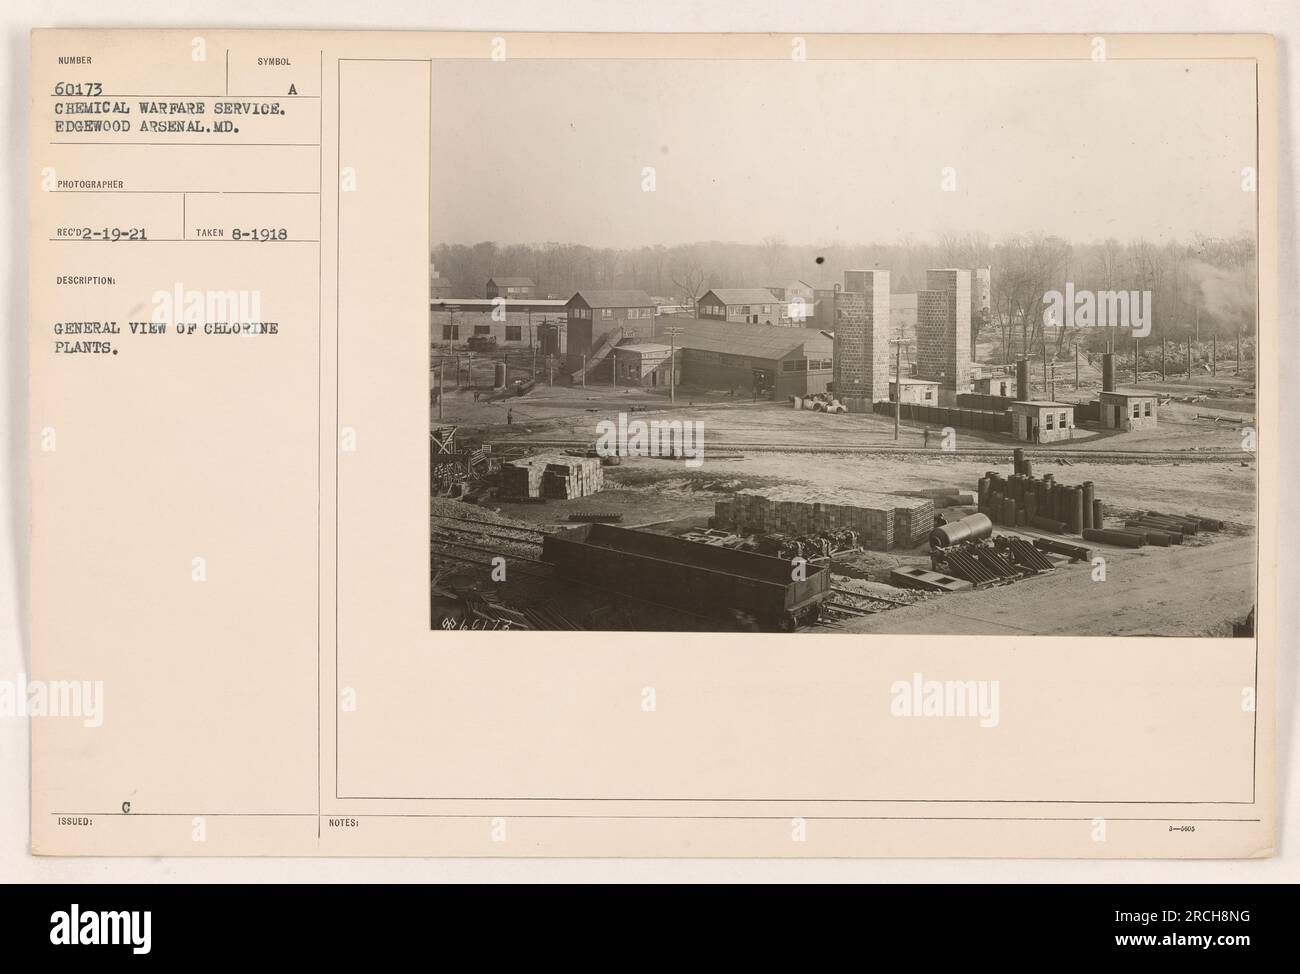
{"x": 1136, "y": 378}
{"x": 673, "y": 331}
{"x": 441, "y": 362}
{"x": 613, "y": 364}
{"x": 584, "y": 370}
{"x": 1236, "y": 368}
{"x": 1076, "y": 365}
{"x": 1214, "y": 354}
{"x": 1189, "y": 357}
{"x": 898, "y": 344}
{"x": 1163, "y": 342}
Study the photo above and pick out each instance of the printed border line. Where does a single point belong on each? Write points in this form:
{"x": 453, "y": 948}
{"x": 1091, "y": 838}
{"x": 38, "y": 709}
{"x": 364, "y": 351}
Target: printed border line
{"x": 338, "y": 372}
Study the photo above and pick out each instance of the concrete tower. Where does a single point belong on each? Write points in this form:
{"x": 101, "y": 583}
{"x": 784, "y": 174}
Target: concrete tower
{"x": 943, "y": 328}
{"x": 861, "y": 361}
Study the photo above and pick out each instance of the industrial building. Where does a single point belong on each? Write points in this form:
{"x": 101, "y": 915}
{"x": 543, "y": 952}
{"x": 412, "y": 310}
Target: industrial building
{"x": 599, "y": 320}
{"x": 1038, "y": 421}
{"x": 862, "y": 332}
{"x": 1128, "y": 410}
{"x": 510, "y": 323}
{"x": 745, "y": 305}
{"x": 770, "y": 362}
{"x": 520, "y": 288}
{"x": 644, "y": 364}
{"x": 943, "y": 328}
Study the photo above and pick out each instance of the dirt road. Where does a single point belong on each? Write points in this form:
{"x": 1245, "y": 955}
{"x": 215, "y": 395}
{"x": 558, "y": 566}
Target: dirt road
{"x": 1161, "y": 591}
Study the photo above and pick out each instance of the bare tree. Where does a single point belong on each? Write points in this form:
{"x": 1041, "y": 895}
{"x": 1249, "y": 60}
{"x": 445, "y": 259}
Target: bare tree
{"x": 688, "y": 282}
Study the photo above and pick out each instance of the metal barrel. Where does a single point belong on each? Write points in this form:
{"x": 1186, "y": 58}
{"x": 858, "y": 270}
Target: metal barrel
{"x": 969, "y": 528}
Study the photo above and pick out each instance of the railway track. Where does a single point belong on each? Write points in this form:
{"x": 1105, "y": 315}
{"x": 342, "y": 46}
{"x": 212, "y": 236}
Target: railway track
{"x": 970, "y": 453}
{"x": 490, "y": 524}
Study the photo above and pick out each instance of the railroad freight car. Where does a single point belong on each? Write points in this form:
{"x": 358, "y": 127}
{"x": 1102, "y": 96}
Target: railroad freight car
{"x": 701, "y": 578}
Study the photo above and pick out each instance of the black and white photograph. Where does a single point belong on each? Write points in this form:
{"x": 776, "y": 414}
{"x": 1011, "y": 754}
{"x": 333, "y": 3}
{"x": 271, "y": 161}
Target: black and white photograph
{"x": 961, "y": 347}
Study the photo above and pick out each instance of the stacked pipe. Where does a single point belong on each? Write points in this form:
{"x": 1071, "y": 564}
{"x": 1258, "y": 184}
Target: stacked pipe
{"x": 1038, "y": 502}
{"x": 1161, "y": 533}
{"x": 1190, "y": 523}
{"x": 1124, "y": 539}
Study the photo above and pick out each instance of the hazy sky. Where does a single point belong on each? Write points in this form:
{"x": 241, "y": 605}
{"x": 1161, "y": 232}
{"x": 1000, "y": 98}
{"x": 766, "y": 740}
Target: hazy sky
{"x": 531, "y": 151}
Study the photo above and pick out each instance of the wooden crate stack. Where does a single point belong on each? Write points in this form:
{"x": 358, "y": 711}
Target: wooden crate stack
{"x": 522, "y": 478}
{"x": 553, "y": 476}
{"x": 569, "y": 477}
{"x": 882, "y": 521}
{"x": 913, "y": 521}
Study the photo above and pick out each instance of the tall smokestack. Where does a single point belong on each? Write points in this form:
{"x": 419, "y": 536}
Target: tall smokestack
{"x": 1022, "y": 378}
{"x": 1107, "y": 372}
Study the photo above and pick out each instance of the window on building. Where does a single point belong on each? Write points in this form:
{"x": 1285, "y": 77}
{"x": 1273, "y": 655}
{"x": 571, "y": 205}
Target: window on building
{"x": 482, "y": 329}
{"x": 1146, "y": 409}
{"x": 1048, "y": 420}
{"x": 1062, "y": 421}
{"x": 450, "y": 332}
{"x": 607, "y": 312}
{"x": 1137, "y": 410}
{"x": 929, "y": 394}
{"x": 744, "y": 309}
{"x": 514, "y": 333}
{"x": 767, "y": 309}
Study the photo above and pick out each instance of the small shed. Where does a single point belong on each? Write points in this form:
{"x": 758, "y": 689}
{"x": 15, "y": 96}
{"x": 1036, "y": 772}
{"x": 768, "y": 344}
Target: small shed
{"x": 1042, "y": 421}
{"x": 924, "y": 391}
{"x": 1128, "y": 409}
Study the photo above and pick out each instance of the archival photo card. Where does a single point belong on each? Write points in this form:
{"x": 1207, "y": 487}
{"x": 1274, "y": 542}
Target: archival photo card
{"x": 611, "y": 445}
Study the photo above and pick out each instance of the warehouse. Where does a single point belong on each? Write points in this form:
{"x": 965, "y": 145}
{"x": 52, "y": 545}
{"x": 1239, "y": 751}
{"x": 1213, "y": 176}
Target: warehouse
{"x": 513, "y": 324}
{"x": 521, "y": 288}
{"x": 746, "y": 305}
{"x": 642, "y": 364}
{"x": 767, "y": 362}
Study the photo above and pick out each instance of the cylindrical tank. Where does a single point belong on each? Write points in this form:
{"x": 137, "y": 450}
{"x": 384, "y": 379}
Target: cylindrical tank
{"x": 1009, "y": 512}
{"x": 499, "y": 376}
{"x": 1097, "y": 520}
{"x": 969, "y": 528}
{"x": 1027, "y": 467}
{"x": 1107, "y": 372}
{"x": 1022, "y": 378}
{"x": 1018, "y": 460}
{"x": 1076, "y": 509}
{"x": 1088, "y": 498}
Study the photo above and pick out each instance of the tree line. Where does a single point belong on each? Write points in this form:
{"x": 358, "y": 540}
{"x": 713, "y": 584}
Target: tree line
{"x": 1201, "y": 286}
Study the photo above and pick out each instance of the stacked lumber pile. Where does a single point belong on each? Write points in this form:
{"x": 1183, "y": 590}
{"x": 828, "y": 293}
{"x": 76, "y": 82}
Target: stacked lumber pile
{"x": 569, "y": 477}
{"x": 881, "y": 521}
{"x": 553, "y": 476}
